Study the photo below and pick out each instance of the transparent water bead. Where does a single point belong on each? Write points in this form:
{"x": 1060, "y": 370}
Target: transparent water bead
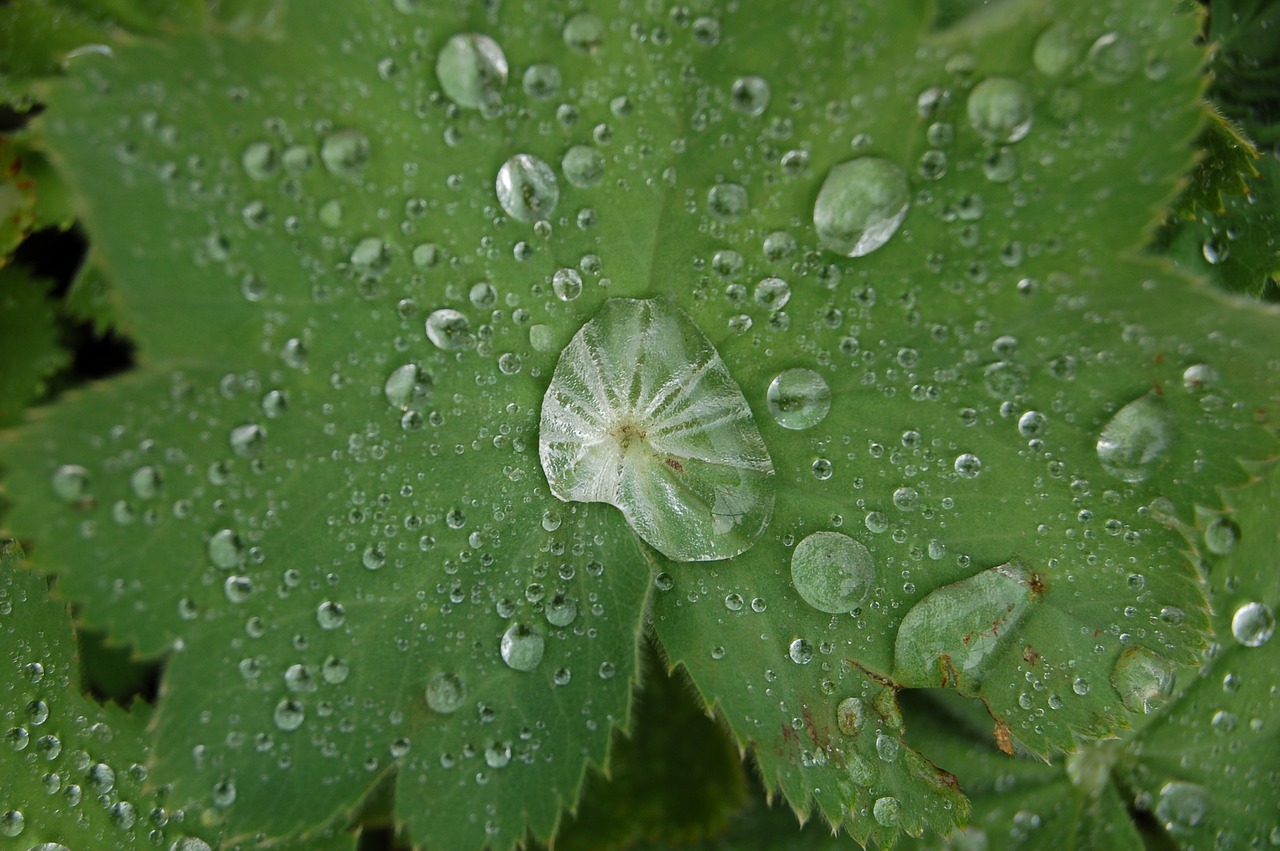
{"x": 832, "y": 572}
{"x": 522, "y": 647}
{"x": 955, "y": 632}
{"x": 472, "y": 69}
{"x": 527, "y": 188}
{"x": 641, "y": 413}
{"x": 1137, "y": 438}
{"x": 1000, "y": 110}
{"x": 860, "y": 205}
{"x": 1143, "y": 679}
{"x": 1253, "y": 624}
{"x": 798, "y": 398}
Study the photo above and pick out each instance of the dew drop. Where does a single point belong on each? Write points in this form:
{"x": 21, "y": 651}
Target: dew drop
{"x": 1143, "y": 679}
{"x": 860, "y": 205}
{"x": 406, "y": 386}
{"x": 583, "y": 166}
{"x": 225, "y": 549}
{"x": 1000, "y": 110}
{"x": 472, "y": 69}
{"x": 1220, "y": 535}
{"x": 345, "y": 152}
{"x": 886, "y": 811}
{"x": 70, "y": 482}
{"x": 641, "y": 413}
{"x": 584, "y": 32}
{"x": 727, "y": 202}
{"x": 288, "y": 715}
{"x": 1112, "y": 58}
{"x": 800, "y": 651}
{"x": 832, "y": 572}
{"x": 750, "y": 95}
{"x": 445, "y": 693}
{"x": 527, "y": 188}
{"x": 1137, "y": 438}
{"x": 522, "y": 647}
{"x": 1253, "y": 624}
{"x": 449, "y": 330}
{"x": 330, "y": 615}
{"x": 1181, "y": 807}
{"x": 798, "y": 398}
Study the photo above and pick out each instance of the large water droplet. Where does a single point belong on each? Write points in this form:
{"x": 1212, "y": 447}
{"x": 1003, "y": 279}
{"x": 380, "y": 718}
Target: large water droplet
{"x": 955, "y": 632}
{"x": 1137, "y": 438}
{"x": 449, "y": 329}
{"x": 1181, "y": 807}
{"x": 70, "y": 482}
{"x": 642, "y": 413}
{"x": 522, "y": 647}
{"x": 1142, "y": 678}
{"x": 832, "y": 572}
{"x": 345, "y": 152}
{"x": 798, "y": 398}
{"x": 1253, "y": 624}
{"x": 472, "y": 69}
{"x": 527, "y": 188}
{"x": 860, "y": 206}
{"x": 583, "y": 166}
{"x": 1000, "y": 110}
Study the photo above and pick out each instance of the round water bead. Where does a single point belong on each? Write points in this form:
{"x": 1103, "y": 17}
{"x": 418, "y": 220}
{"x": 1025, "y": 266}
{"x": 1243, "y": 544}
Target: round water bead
{"x": 1137, "y": 438}
{"x": 798, "y": 398}
{"x": 522, "y": 647}
{"x": 445, "y": 693}
{"x": 641, "y": 413}
{"x": 449, "y": 330}
{"x": 583, "y": 166}
{"x": 1253, "y": 624}
{"x": 832, "y": 572}
{"x": 860, "y": 205}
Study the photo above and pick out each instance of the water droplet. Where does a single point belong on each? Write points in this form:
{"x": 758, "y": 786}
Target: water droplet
{"x": 566, "y": 284}
{"x": 472, "y": 69}
{"x": 800, "y": 651}
{"x": 450, "y": 330}
{"x": 956, "y": 631}
{"x": 445, "y": 693}
{"x": 584, "y": 32}
{"x": 1220, "y": 535}
{"x": 225, "y": 549}
{"x": 642, "y": 414}
{"x": 1137, "y": 438}
{"x": 527, "y": 188}
{"x": 1200, "y": 377}
{"x": 1055, "y": 50}
{"x": 561, "y": 610}
{"x": 1143, "y": 679}
{"x": 860, "y": 206}
{"x": 145, "y": 482}
{"x": 750, "y": 95}
{"x": 886, "y": 811}
{"x": 247, "y": 440}
{"x": 832, "y": 572}
{"x": 522, "y": 647}
{"x": 798, "y": 398}
{"x": 407, "y": 386}
{"x": 12, "y": 823}
{"x": 345, "y": 152}
{"x": 1182, "y": 806}
{"x": 772, "y": 293}
{"x": 851, "y": 716}
{"x": 330, "y": 615}
{"x": 727, "y": 202}
{"x": 968, "y": 465}
{"x": 1112, "y": 58}
{"x": 583, "y": 166}
{"x": 542, "y": 81}
{"x": 1000, "y": 110}
{"x": 70, "y": 482}
{"x": 288, "y": 715}
{"x": 1253, "y": 624}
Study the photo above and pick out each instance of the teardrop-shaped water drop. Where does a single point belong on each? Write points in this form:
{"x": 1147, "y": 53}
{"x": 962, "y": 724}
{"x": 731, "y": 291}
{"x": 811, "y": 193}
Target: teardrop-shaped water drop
{"x": 472, "y": 69}
{"x": 955, "y": 632}
{"x": 1137, "y": 438}
{"x": 527, "y": 188}
{"x": 642, "y": 413}
{"x": 860, "y": 206}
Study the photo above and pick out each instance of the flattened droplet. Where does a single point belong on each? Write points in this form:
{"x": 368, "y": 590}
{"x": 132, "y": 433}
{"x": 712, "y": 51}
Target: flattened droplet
{"x": 642, "y": 414}
{"x": 1000, "y": 110}
{"x": 472, "y": 69}
{"x": 445, "y": 693}
{"x": 1137, "y": 438}
{"x": 860, "y": 206}
{"x": 832, "y": 572}
{"x": 955, "y": 631}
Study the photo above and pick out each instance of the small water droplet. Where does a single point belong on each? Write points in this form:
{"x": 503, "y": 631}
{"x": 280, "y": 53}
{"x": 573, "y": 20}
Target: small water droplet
{"x": 1000, "y": 110}
{"x": 1143, "y": 679}
{"x": 345, "y": 152}
{"x": 445, "y": 693}
{"x": 583, "y": 166}
{"x": 1181, "y": 807}
{"x": 750, "y": 95}
{"x": 449, "y": 330}
{"x": 288, "y": 715}
{"x": 727, "y": 202}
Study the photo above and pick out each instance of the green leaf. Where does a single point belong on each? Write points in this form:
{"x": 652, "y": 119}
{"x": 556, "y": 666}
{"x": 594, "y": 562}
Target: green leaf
{"x": 75, "y": 772}
{"x": 676, "y": 778}
{"x": 1246, "y": 64}
{"x": 29, "y": 347}
{"x": 337, "y": 526}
